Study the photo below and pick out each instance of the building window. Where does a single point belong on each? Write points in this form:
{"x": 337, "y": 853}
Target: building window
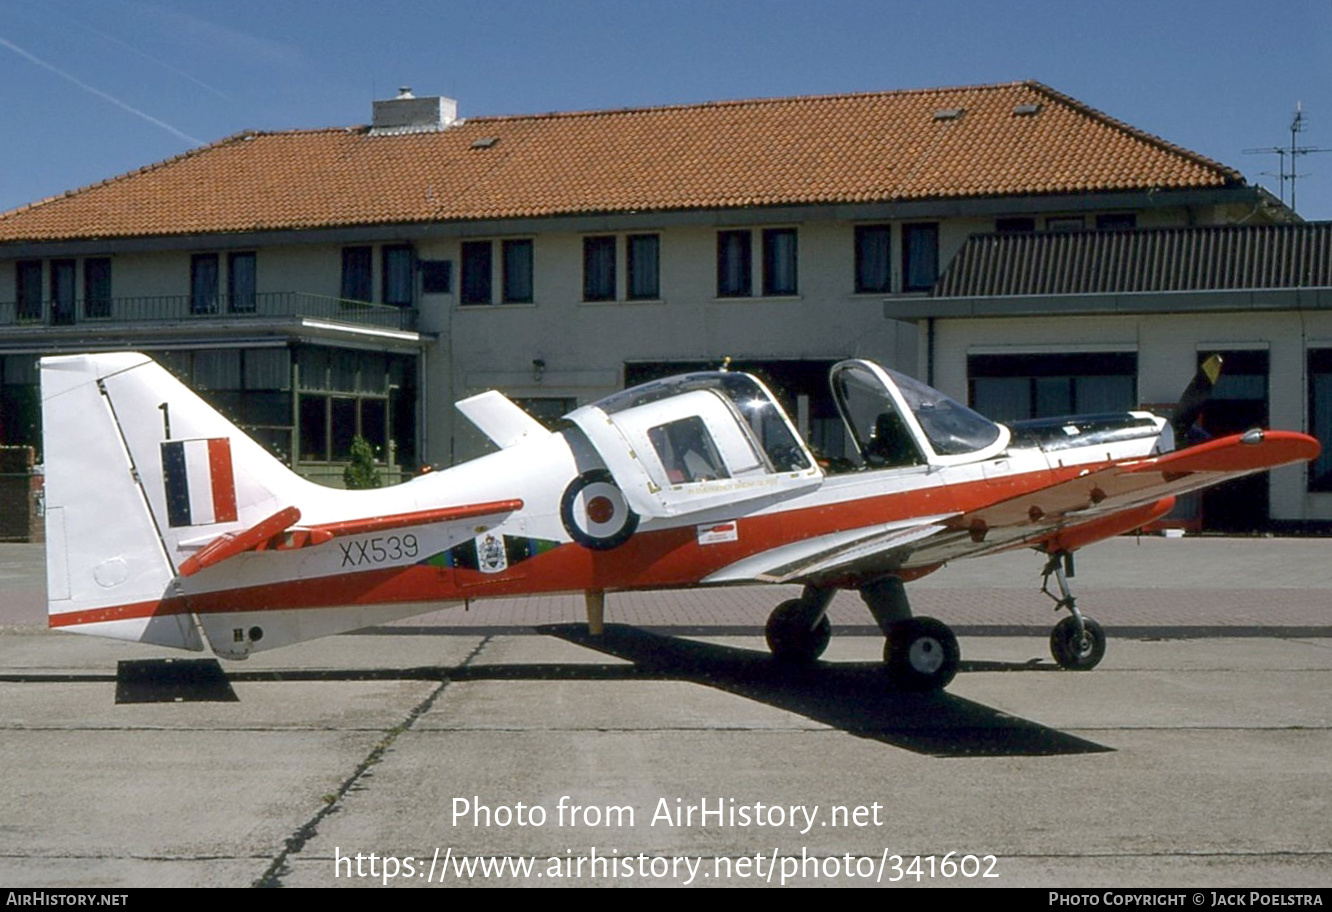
{"x": 436, "y": 276}
{"x": 63, "y": 274}
{"x": 20, "y": 402}
{"x": 314, "y": 429}
{"x": 643, "y": 252}
{"x": 1065, "y": 223}
{"x": 599, "y": 268}
{"x": 518, "y": 271}
{"x": 242, "y": 282}
{"x": 345, "y": 393}
{"x": 1320, "y": 417}
{"x": 28, "y": 290}
{"x": 476, "y": 266}
{"x": 734, "y": 268}
{"x": 97, "y": 288}
{"x": 357, "y": 268}
{"x": 1015, "y": 225}
{"x": 398, "y": 274}
{"x": 1019, "y": 387}
{"x": 874, "y": 272}
{"x": 1117, "y": 221}
{"x": 779, "y": 261}
{"x": 203, "y": 283}
{"x": 251, "y": 386}
{"x": 920, "y": 256}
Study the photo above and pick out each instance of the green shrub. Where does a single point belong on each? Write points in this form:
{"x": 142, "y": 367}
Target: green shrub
{"x": 361, "y": 472}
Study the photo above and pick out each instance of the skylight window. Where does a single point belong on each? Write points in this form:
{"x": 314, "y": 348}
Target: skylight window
{"x": 484, "y": 142}
{"x": 1026, "y": 110}
{"x": 949, "y": 113}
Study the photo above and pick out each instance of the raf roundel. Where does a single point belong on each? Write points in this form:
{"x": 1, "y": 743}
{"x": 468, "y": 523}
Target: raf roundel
{"x": 595, "y": 513}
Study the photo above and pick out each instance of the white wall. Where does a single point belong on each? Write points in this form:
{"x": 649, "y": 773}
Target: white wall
{"x": 1167, "y": 347}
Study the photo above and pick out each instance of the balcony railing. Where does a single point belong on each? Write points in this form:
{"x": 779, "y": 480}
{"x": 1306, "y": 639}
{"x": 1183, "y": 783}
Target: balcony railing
{"x": 187, "y": 308}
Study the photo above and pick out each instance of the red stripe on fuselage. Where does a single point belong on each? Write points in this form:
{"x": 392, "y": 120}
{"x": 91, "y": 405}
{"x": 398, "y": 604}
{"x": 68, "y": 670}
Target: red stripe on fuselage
{"x": 118, "y": 613}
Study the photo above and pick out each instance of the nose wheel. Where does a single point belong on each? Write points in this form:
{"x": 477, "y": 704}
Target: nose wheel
{"x": 1077, "y": 650}
{"x": 1076, "y": 642}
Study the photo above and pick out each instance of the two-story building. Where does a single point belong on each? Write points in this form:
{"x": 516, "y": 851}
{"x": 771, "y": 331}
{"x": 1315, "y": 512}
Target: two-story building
{"x": 323, "y": 283}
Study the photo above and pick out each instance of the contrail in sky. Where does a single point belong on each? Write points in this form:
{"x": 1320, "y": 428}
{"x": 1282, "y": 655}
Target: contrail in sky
{"x": 151, "y": 59}
{"x": 100, "y": 94}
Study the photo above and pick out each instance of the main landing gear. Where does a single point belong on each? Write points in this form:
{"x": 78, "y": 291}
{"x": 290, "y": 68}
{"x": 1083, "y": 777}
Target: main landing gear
{"x": 798, "y": 629}
{"x": 920, "y": 653}
{"x": 1077, "y": 643}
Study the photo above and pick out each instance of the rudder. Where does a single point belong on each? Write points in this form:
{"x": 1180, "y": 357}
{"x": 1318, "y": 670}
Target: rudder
{"x": 107, "y": 570}
{"x": 140, "y": 473}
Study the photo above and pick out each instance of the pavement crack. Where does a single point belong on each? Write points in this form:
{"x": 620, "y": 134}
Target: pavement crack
{"x": 272, "y": 877}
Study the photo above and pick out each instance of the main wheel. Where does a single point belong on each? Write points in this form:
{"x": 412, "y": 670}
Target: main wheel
{"x": 791, "y": 635}
{"x": 1077, "y": 653}
{"x": 921, "y": 654}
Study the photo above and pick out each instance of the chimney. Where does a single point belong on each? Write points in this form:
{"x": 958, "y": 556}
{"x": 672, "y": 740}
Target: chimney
{"x": 408, "y": 114}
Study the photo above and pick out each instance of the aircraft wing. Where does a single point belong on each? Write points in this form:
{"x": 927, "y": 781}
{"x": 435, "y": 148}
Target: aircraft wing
{"x": 1063, "y": 516}
{"x": 1127, "y": 488}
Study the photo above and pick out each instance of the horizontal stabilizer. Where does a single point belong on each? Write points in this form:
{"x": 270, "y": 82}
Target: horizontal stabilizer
{"x": 233, "y": 543}
{"x": 500, "y": 419}
{"x": 264, "y": 536}
{"x": 418, "y": 518}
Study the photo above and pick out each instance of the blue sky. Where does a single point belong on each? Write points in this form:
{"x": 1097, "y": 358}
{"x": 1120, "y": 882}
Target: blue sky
{"x": 94, "y": 88}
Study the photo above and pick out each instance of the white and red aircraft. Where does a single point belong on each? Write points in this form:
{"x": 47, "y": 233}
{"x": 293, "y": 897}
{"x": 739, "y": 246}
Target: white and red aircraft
{"x": 164, "y": 520}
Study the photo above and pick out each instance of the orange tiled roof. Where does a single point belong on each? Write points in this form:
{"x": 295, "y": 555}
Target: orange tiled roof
{"x": 784, "y": 151}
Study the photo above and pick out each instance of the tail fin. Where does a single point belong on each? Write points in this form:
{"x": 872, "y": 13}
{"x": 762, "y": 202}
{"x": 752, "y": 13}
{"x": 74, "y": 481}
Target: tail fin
{"x": 136, "y": 467}
{"x": 1193, "y": 400}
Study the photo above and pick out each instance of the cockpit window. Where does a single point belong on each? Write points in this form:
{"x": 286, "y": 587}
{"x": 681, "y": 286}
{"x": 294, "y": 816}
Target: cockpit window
{"x": 881, "y": 435}
{"x": 750, "y": 402}
{"x": 880, "y": 431}
{"x": 687, "y": 451}
{"x": 951, "y": 427}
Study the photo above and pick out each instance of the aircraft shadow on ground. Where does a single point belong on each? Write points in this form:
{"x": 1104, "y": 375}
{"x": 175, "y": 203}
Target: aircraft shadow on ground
{"x": 854, "y": 697}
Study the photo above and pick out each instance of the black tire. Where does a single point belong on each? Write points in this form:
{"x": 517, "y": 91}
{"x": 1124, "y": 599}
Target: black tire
{"x": 1074, "y": 653}
{"x": 792, "y": 638}
{"x": 921, "y": 654}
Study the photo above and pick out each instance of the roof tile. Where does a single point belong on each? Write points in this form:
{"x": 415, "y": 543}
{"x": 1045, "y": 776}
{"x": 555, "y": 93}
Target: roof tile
{"x": 769, "y": 152}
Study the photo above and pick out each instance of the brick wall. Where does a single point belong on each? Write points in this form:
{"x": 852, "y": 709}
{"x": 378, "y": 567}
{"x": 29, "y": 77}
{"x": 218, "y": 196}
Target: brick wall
{"x": 20, "y": 493}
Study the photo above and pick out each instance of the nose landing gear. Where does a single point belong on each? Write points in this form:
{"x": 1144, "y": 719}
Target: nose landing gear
{"x": 1076, "y": 642}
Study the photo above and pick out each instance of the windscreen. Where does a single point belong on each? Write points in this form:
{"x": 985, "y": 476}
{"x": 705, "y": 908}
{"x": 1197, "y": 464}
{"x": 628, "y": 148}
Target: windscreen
{"x": 952, "y": 428}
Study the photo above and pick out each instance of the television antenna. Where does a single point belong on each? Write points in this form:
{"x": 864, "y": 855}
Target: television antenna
{"x": 1295, "y": 151}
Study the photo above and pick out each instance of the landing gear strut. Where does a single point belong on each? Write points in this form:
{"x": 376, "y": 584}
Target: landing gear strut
{"x": 1077, "y": 643}
{"x": 921, "y": 653}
